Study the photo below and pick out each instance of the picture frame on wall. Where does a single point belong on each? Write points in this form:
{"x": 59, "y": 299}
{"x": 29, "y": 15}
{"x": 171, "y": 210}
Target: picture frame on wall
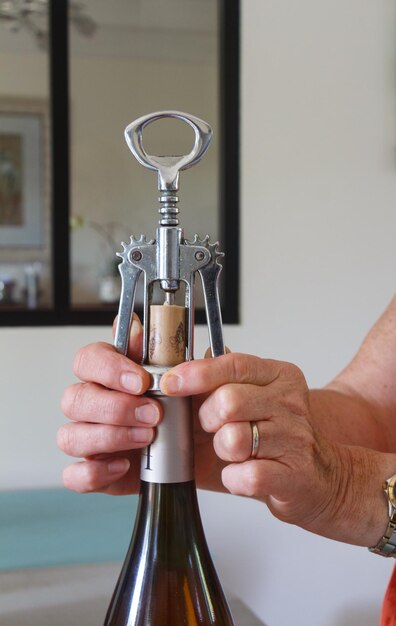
{"x": 24, "y": 180}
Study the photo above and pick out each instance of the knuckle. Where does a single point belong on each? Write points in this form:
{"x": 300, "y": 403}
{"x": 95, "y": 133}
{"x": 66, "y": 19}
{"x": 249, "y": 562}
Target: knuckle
{"x": 108, "y": 438}
{"x": 119, "y": 438}
{"x": 302, "y": 451}
{"x": 79, "y": 361}
{"x": 306, "y": 440}
{"x": 72, "y": 400}
{"x": 245, "y": 368}
{"x": 65, "y": 439}
{"x": 252, "y": 480}
{"x": 90, "y": 400}
{"x": 233, "y": 441}
{"x": 105, "y": 369}
{"x": 240, "y": 367}
{"x": 68, "y": 478}
{"x": 228, "y": 403}
{"x": 296, "y": 402}
{"x": 96, "y": 362}
{"x": 293, "y": 372}
{"x": 71, "y": 482}
{"x": 116, "y": 407}
{"x": 81, "y": 477}
{"x": 90, "y": 477}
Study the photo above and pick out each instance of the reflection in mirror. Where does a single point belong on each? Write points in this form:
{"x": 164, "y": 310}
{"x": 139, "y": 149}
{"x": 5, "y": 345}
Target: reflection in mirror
{"x": 140, "y": 56}
{"x": 25, "y": 218}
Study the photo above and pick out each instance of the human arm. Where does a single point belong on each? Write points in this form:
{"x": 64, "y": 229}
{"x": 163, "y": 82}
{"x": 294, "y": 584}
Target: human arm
{"x": 359, "y": 405}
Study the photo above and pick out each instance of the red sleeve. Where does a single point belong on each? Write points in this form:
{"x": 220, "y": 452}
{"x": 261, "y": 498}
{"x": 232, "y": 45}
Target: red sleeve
{"x": 388, "y": 614}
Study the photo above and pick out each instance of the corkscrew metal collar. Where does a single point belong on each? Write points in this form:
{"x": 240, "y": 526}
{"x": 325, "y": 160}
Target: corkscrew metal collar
{"x": 169, "y": 259}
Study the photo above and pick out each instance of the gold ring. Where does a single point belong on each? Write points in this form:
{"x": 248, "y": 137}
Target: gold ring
{"x": 255, "y": 440}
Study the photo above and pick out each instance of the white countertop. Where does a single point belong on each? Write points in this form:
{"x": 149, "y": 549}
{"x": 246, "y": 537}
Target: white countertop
{"x": 65, "y": 596}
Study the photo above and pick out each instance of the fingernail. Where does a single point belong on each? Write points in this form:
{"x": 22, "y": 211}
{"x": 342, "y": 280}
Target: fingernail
{"x": 147, "y": 413}
{"x": 117, "y": 466}
{"x": 131, "y": 382}
{"x": 171, "y": 383}
{"x": 140, "y": 435}
{"x": 136, "y": 326}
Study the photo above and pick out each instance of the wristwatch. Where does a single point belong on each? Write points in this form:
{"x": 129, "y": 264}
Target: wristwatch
{"x": 387, "y": 545}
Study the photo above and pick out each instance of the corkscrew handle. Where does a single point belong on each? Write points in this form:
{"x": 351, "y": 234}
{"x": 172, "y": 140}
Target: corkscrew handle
{"x": 168, "y": 167}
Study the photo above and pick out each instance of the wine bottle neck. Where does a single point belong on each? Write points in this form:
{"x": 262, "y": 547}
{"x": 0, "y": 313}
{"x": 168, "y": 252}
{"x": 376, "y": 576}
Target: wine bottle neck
{"x": 170, "y": 458}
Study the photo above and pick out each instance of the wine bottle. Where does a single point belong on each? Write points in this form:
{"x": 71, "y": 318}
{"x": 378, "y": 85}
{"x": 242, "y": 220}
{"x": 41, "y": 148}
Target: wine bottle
{"x": 168, "y": 577}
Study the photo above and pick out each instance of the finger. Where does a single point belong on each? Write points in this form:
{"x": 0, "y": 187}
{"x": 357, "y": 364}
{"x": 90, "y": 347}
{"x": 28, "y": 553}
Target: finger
{"x": 235, "y": 403}
{"x": 101, "y": 363}
{"x": 87, "y": 476}
{"x": 258, "y": 479}
{"x": 251, "y": 403}
{"x": 110, "y": 475}
{"x": 135, "y": 346}
{"x": 234, "y": 441}
{"x": 81, "y": 439}
{"x": 90, "y": 402}
{"x": 205, "y": 375}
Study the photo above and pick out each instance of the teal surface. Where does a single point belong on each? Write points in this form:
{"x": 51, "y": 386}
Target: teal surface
{"x": 40, "y": 528}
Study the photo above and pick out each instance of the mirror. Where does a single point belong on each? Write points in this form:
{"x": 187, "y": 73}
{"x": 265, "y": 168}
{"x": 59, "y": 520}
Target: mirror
{"x": 110, "y": 63}
{"x": 25, "y": 215}
{"x": 142, "y": 57}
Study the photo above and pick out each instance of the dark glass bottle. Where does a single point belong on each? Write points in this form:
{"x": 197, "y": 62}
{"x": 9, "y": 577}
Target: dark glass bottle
{"x": 168, "y": 577}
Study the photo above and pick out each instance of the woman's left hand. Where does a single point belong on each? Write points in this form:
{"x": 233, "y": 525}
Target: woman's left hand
{"x": 304, "y": 478}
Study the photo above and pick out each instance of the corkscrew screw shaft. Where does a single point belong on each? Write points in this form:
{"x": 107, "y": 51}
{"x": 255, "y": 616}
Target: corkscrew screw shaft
{"x": 169, "y": 259}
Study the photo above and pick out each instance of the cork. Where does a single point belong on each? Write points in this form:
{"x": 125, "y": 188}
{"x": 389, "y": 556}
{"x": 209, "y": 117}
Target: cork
{"x": 167, "y": 338}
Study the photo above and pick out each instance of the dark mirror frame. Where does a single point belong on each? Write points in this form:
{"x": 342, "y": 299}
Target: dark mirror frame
{"x": 62, "y": 313}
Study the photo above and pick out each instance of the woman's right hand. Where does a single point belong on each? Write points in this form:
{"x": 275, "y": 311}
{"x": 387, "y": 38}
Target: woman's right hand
{"x": 110, "y": 419}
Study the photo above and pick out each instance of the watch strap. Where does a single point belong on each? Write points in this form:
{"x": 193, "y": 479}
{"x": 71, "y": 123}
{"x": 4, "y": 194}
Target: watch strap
{"x": 387, "y": 545}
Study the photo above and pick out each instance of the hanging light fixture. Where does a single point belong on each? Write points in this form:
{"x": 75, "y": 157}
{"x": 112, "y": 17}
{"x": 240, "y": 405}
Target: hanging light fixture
{"x": 32, "y": 16}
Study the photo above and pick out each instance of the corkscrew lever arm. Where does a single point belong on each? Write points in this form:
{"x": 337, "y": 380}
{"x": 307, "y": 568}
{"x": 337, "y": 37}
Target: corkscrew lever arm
{"x": 129, "y": 280}
{"x": 210, "y": 277}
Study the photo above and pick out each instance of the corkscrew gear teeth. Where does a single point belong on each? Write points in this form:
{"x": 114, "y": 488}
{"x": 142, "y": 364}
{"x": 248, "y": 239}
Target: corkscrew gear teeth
{"x": 213, "y": 248}
{"x": 135, "y": 243}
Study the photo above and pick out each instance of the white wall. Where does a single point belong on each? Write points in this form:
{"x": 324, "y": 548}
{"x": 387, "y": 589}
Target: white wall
{"x": 318, "y": 223}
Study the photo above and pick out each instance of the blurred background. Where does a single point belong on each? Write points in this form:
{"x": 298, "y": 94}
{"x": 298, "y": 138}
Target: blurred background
{"x": 317, "y": 243}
